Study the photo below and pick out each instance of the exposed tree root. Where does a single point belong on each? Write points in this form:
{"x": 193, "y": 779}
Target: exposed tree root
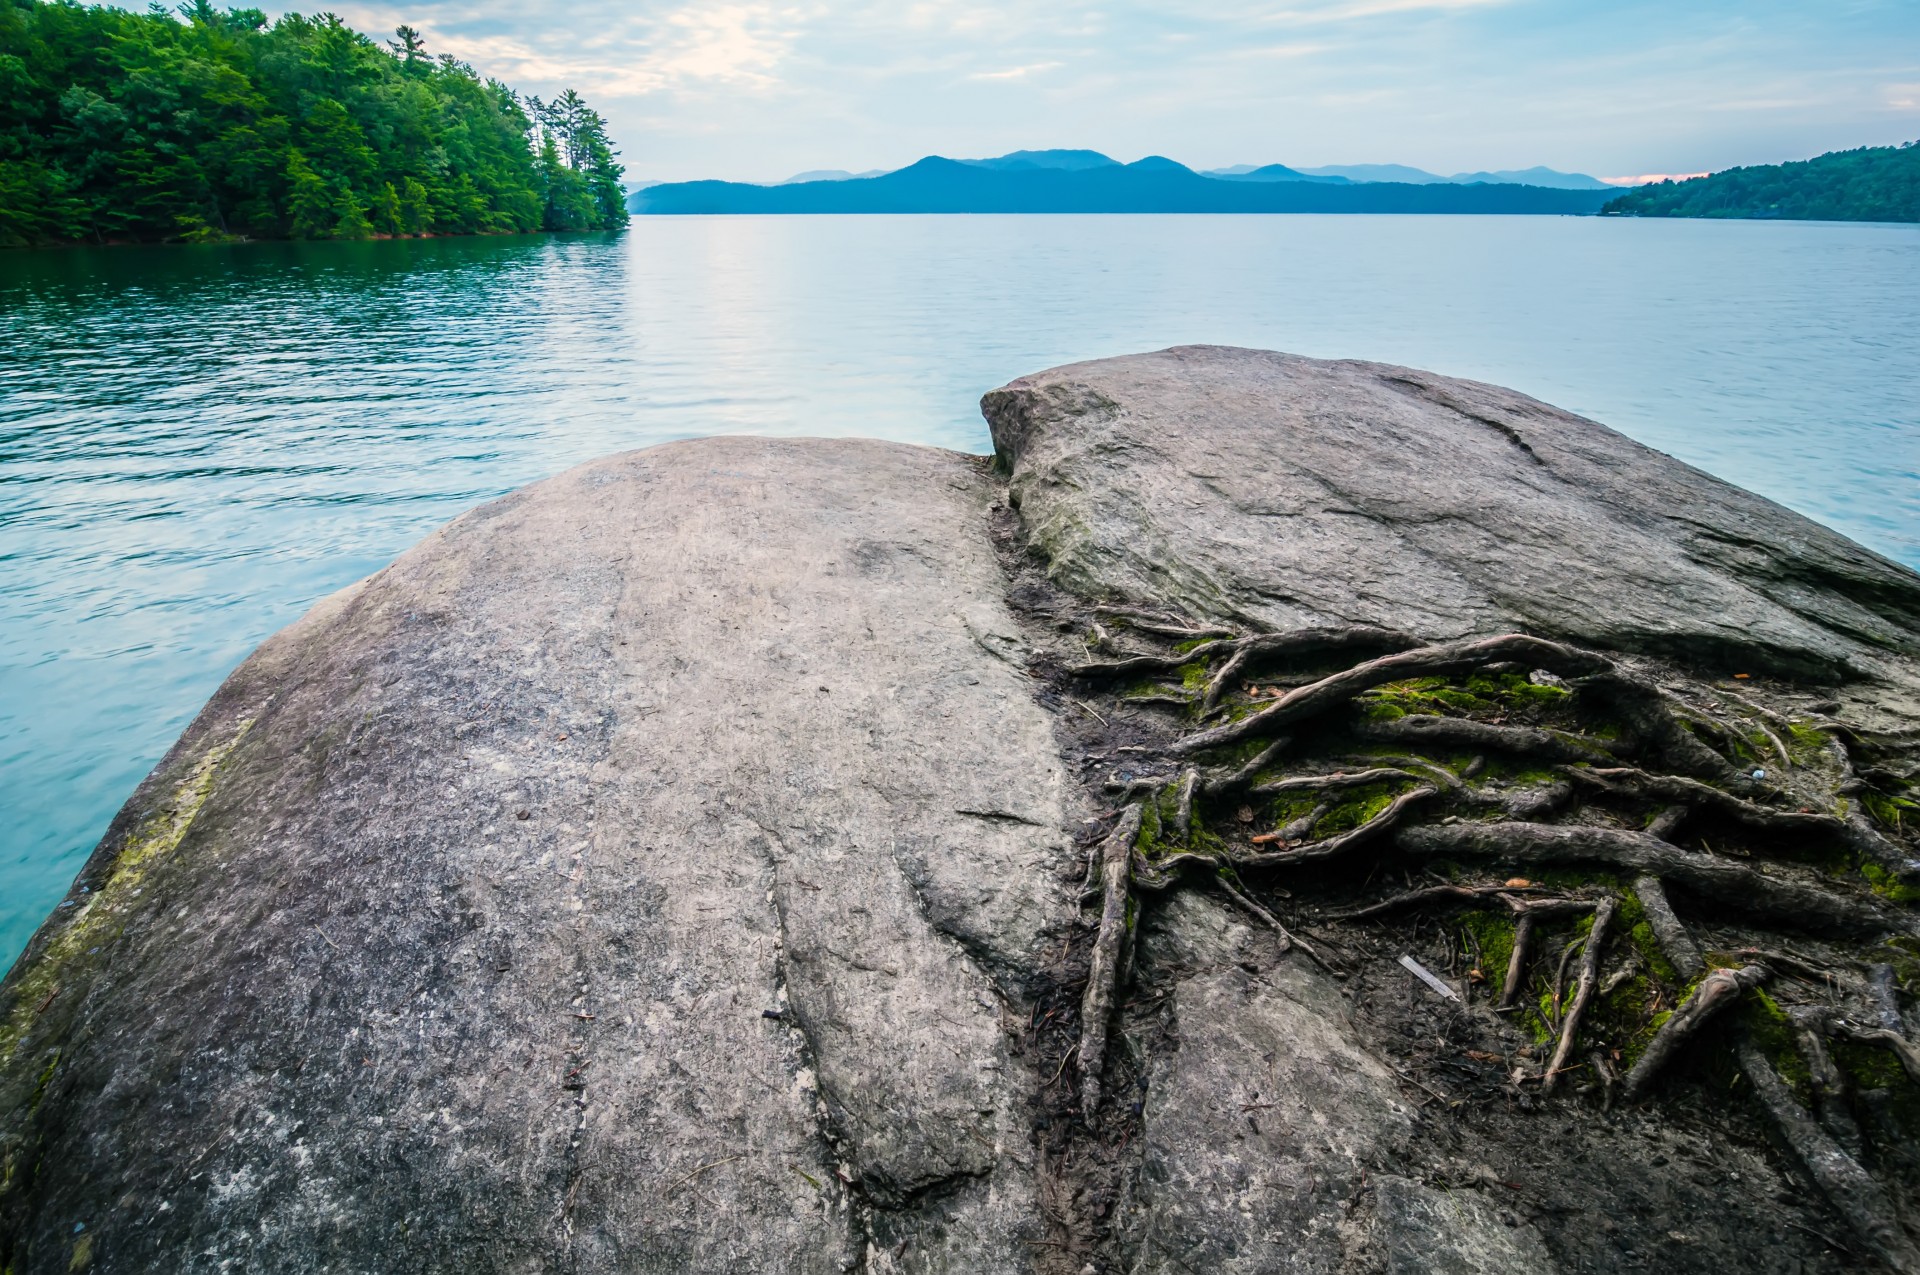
{"x": 1275, "y": 646}
{"x": 1705, "y": 798}
{"x": 1886, "y": 1003}
{"x": 1096, "y": 1007}
{"x": 1673, "y": 938}
{"x": 1160, "y": 622}
{"x": 1722, "y": 880}
{"x": 1589, "y": 975}
{"x": 1812, "y": 1024}
{"x": 1713, "y": 993}
{"x": 1137, "y": 663}
{"x": 1458, "y": 732}
{"x": 1338, "y": 779}
{"x": 1851, "y": 1190}
{"x": 1614, "y": 747}
{"x": 1332, "y": 846}
{"x": 1328, "y": 693}
{"x": 1904, "y": 1049}
{"x": 1238, "y": 779}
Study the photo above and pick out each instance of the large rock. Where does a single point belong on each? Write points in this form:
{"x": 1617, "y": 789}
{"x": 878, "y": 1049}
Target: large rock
{"x": 664, "y": 868}
{"x": 604, "y": 886}
{"x": 1253, "y": 486}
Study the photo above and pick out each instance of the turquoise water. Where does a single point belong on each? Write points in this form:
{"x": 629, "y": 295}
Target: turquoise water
{"x": 195, "y": 443}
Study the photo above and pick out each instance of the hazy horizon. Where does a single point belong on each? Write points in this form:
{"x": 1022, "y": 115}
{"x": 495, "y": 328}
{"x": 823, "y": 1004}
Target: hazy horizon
{"x": 756, "y": 90}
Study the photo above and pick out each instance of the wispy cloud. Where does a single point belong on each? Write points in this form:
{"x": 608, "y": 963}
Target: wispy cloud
{"x": 1017, "y": 72}
{"x": 763, "y": 87}
{"x": 1902, "y": 97}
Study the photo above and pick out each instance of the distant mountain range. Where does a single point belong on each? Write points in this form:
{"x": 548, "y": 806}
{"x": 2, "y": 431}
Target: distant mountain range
{"x": 1088, "y": 181}
{"x": 1420, "y": 177}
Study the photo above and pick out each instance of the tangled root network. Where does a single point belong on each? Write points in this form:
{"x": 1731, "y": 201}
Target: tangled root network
{"x": 1634, "y": 854}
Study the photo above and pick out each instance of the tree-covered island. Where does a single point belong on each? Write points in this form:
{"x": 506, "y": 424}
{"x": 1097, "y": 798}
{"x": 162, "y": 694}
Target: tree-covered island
{"x": 1873, "y": 183}
{"x": 218, "y": 125}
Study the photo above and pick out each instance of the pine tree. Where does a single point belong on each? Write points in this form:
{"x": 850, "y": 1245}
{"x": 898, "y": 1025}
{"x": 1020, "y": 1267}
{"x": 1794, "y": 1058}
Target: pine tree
{"x": 411, "y": 50}
{"x": 416, "y": 210}
{"x": 385, "y": 212}
{"x": 351, "y": 220}
{"x": 310, "y": 202}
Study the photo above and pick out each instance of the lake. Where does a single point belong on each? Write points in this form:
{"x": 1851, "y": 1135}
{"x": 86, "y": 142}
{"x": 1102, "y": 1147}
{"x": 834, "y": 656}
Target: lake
{"x": 196, "y": 443}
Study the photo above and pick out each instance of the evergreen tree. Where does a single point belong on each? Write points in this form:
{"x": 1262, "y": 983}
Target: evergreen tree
{"x": 217, "y": 123}
{"x": 309, "y": 201}
{"x": 385, "y": 212}
{"x": 350, "y": 221}
{"x": 416, "y": 209}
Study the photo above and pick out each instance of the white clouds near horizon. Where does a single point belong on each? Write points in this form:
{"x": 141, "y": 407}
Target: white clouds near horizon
{"x": 757, "y": 90}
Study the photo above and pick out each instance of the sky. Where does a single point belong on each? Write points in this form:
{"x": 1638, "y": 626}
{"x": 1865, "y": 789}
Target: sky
{"x": 753, "y": 91}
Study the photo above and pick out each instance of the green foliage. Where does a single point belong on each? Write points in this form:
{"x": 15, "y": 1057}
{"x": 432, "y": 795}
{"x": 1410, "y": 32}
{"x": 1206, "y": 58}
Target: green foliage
{"x": 1480, "y": 693}
{"x": 1887, "y": 885}
{"x": 1880, "y": 183}
{"x": 1767, "y": 1023}
{"x": 119, "y": 126}
{"x": 1493, "y": 935}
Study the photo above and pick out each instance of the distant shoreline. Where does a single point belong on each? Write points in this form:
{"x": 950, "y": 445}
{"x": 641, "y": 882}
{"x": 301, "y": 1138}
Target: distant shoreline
{"x": 936, "y": 185}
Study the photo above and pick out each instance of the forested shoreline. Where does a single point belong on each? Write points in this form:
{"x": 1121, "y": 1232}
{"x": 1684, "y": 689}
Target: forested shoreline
{"x": 1873, "y": 183}
{"x": 217, "y": 125}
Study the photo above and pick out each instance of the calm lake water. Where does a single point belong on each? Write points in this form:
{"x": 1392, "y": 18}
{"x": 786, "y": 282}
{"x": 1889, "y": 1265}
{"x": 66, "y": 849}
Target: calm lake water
{"x": 196, "y": 443}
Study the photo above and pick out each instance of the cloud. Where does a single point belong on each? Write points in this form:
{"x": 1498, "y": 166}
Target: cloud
{"x": 755, "y": 88}
{"x": 1017, "y": 72}
{"x": 1353, "y": 10}
{"x": 613, "y": 51}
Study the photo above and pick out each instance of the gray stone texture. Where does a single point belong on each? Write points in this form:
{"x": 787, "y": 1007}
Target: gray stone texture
{"x": 467, "y": 962}
{"x": 1251, "y": 486}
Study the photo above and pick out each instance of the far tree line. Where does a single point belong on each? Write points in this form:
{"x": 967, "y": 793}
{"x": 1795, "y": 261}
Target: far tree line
{"x": 218, "y": 125}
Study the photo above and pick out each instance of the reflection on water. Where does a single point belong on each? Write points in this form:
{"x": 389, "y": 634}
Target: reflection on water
{"x": 195, "y": 443}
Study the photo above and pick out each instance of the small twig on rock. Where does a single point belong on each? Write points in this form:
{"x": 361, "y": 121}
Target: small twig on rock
{"x": 702, "y": 1169}
{"x": 1273, "y": 922}
{"x": 1460, "y": 893}
{"x": 1096, "y": 1007}
{"x": 1714, "y": 993}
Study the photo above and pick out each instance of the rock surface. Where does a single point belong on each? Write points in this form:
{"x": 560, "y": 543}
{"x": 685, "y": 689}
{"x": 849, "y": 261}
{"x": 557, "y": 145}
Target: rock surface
{"x": 603, "y": 886}
{"x": 1259, "y": 487}
{"x": 672, "y": 866}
